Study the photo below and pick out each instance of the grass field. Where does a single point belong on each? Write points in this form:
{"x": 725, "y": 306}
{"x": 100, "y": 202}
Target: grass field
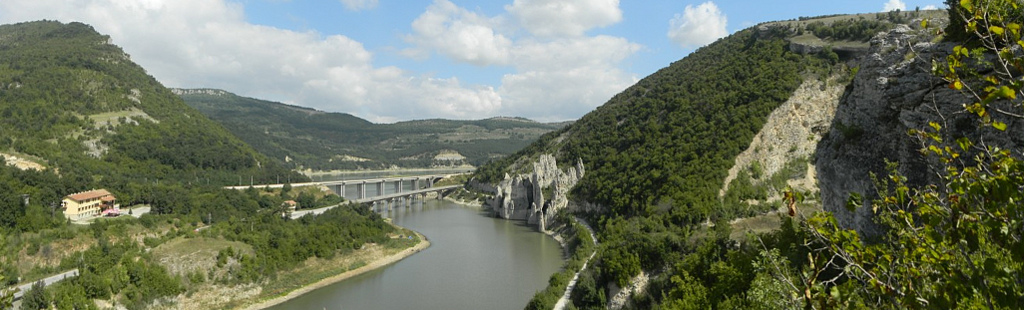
{"x": 184, "y": 255}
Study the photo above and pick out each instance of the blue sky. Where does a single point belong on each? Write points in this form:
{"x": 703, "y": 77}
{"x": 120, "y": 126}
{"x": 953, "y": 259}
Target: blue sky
{"x": 389, "y": 60}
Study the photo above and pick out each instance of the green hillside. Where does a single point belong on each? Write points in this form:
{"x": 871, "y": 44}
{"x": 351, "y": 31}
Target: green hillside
{"x": 670, "y": 138}
{"x": 77, "y": 114}
{"x": 325, "y": 141}
{"x": 77, "y": 105}
{"x": 657, "y": 153}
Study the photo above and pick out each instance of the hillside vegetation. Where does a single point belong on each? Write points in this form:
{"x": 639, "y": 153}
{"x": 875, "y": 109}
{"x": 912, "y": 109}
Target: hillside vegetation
{"x": 663, "y": 146}
{"x": 657, "y": 154}
{"x": 656, "y": 157}
{"x": 77, "y": 114}
{"x": 317, "y": 140}
{"x": 80, "y": 107}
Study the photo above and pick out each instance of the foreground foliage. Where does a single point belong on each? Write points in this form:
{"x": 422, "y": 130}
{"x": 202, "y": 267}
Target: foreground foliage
{"x": 956, "y": 243}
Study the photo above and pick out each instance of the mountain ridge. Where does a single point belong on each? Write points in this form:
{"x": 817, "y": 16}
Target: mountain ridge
{"x": 318, "y": 140}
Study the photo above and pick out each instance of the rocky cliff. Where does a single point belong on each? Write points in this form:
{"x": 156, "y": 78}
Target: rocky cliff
{"x": 537, "y": 196}
{"x": 895, "y": 91}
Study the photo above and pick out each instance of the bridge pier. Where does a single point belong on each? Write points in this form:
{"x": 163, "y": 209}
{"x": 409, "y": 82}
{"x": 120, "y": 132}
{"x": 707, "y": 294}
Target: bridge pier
{"x": 362, "y": 190}
{"x": 340, "y": 190}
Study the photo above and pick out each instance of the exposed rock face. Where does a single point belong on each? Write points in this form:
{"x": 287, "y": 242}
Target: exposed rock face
{"x": 894, "y": 91}
{"x": 792, "y": 131}
{"x": 522, "y": 197}
{"x": 199, "y": 91}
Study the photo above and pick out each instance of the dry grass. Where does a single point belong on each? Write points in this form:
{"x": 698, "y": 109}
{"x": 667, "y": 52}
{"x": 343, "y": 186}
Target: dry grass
{"x": 768, "y": 222}
{"x": 184, "y": 255}
{"x": 112, "y": 118}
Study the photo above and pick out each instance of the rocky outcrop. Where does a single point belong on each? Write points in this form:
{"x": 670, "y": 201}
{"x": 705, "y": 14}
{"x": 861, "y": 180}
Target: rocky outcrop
{"x": 199, "y": 91}
{"x": 895, "y": 91}
{"x": 792, "y": 131}
{"x": 522, "y": 197}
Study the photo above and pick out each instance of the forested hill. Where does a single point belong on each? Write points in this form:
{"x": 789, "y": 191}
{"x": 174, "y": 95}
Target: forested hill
{"x": 670, "y": 138}
{"x": 312, "y": 139}
{"x": 75, "y": 104}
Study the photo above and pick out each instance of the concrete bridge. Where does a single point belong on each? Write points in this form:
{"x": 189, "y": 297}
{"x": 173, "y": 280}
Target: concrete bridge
{"x": 365, "y": 188}
{"x": 387, "y": 202}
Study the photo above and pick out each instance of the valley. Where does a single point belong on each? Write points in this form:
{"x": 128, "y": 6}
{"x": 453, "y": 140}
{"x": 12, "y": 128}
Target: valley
{"x": 839, "y": 161}
{"x": 311, "y": 141}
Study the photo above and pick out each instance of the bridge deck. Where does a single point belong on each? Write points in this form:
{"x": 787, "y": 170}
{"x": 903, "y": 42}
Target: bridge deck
{"x": 352, "y": 181}
{"x": 300, "y": 213}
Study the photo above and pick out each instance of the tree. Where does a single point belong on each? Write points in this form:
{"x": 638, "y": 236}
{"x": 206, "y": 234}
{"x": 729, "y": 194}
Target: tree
{"x": 35, "y": 297}
{"x": 287, "y": 187}
{"x": 6, "y": 295}
{"x": 956, "y": 243}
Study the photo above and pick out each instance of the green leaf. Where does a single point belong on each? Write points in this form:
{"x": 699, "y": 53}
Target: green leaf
{"x": 1006, "y": 92}
{"x": 853, "y": 202}
{"x": 964, "y": 143}
{"x": 999, "y": 125}
{"x": 967, "y": 5}
{"x": 935, "y": 125}
{"x": 924, "y": 23}
{"x": 996, "y": 30}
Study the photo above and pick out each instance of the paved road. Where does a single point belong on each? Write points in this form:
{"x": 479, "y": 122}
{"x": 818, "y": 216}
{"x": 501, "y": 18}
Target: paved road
{"x": 47, "y": 281}
{"x": 139, "y": 211}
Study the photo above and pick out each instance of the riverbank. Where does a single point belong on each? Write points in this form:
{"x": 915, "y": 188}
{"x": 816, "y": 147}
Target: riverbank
{"x": 372, "y": 265}
{"x": 467, "y": 203}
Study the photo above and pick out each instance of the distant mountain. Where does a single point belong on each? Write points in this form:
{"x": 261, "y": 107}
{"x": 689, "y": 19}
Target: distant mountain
{"x": 75, "y": 104}
{"x": 312, "y": 139}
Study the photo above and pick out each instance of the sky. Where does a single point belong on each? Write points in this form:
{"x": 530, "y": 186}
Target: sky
{"x": 396, "y": 60}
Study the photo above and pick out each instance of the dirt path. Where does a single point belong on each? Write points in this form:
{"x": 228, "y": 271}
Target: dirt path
{"x": 564, "y": 301}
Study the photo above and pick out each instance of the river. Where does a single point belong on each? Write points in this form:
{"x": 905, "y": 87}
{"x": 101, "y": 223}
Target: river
{"x": 474, "y": 262}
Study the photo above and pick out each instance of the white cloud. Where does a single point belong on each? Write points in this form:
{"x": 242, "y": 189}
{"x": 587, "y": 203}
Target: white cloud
{"x": 566, "y": 77}
{"x": 930, "y": 7}
{"x": 558, "y": 75}
{"x": 893, "y": 5}
{"x": 208, "y": 43}
{"x": 698, "y": 26}
{"x": 459, "y": 34}
{"x": 554, "y": 75}
{"x": 356, "y": 5}
{"x": 564, "y": 17}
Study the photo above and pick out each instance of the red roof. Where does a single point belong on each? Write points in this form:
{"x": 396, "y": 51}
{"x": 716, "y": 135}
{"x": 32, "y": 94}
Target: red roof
{"x": 93, "y": 194}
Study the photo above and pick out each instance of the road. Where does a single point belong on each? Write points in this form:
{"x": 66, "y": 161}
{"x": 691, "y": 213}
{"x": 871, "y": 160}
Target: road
{"x": 301, "y": 213}
{"x": 47, "y": 281}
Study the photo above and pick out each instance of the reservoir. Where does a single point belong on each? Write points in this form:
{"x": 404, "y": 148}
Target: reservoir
{"x": 474, "y": 262}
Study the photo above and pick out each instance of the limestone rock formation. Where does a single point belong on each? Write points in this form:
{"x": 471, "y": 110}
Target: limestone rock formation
{"x": 895, "y": 91}
{"x": 522, "y": 197}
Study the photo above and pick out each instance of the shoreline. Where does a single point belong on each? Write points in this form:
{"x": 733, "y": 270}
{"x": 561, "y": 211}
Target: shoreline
{"x": 385, "y": 261}
{"x": 473, "y": 204}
